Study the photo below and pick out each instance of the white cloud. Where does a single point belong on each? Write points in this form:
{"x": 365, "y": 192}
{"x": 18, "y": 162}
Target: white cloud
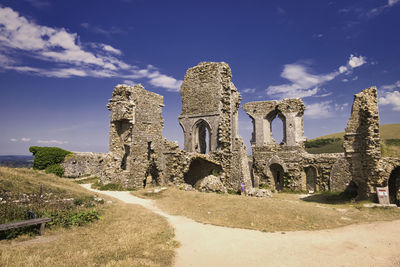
{"x": 378, "y": 10}
{"x": 129, "y": 82}
{"x": 111, "y": 49}
{"x": 13, "y": 140}
{"x": 51, "y": 142}
{"x": 161, "y": 80}
{"x": 319, "y": 110}
{"x": 341, "y": 107}
{"x": 342, "y": 69}
{"x": 304, "y": 84}
{"x": 249, "y": 90}
{"x": 391, "y": 99}
{"x": 25, "y": 139}
{"x": 390, "y": 87}
{"x": 352, "y": 63}
{"x": 68, "y": 56}
{"x": 355, "y": 62}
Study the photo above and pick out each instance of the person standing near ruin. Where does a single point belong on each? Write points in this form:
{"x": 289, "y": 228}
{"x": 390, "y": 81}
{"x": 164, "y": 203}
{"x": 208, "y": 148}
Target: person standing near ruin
{"x": 242, "y": 188}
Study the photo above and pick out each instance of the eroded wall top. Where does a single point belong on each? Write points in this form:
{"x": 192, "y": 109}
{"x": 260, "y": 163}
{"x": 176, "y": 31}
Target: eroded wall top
{"x": 202, "y": 87}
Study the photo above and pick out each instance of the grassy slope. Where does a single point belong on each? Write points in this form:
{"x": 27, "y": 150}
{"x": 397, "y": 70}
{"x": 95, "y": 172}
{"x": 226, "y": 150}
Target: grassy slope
{"x": 127, "y": 235}
{"x": 26, "y": 181}
{"x": 387, "y": 131}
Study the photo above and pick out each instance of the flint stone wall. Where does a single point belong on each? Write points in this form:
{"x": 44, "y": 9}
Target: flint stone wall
{"x": 209, "y": 97}
{"x": 210, "y": 102}
{"x": 362, "y": 142}
{"x": 84, "y": 163}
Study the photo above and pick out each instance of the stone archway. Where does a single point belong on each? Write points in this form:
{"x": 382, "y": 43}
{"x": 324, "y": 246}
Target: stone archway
{"x": 394, "y": 186}
{"x": 311, "y": 178}
{"x": 198, "y": 169}
{"x": 277, "y": 172}
{"x": 202, "y": 137}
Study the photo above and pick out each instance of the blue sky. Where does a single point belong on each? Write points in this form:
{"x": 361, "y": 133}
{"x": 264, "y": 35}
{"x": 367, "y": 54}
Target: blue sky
{"x": 59, "y": 61}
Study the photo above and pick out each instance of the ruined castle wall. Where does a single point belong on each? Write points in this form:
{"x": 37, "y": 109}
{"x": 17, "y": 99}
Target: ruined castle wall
{"x": 362, "y": 142}
{"x": 84, "y": 163}
{"x": 288, "y": 165}
{"x": 304, "y": 171}
{"x": 136, "y": 142}
{"x": 209, "y": 95}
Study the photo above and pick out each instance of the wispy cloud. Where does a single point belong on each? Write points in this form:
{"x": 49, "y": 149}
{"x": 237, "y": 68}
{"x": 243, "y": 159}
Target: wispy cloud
{"x": 358, "y": 12}
{"x": 378, "y": 10}
{"x": 129, "y": 82}
{"x": 67, "y": 56}
{"x": 104, "y": 31}
{"x": 23, "y": 139}
{"x": 319, "y": 110}
{"x": 304, "y": 83}
{"x": 391, "y": 99}
{"x": 390, "y": 87}
{"x": 52, "y": 142}
{"x": 248, "y": 91}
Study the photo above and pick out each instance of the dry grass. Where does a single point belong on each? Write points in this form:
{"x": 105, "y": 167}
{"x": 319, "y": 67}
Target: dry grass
{"x": 283, "y": 212}
{"x": 27, "y": 181}
{"x": 128, "y": 235}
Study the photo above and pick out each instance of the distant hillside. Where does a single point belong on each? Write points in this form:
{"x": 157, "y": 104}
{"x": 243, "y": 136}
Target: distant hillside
{"x": 16, "y": 161}
{"x": 333, "y": 143}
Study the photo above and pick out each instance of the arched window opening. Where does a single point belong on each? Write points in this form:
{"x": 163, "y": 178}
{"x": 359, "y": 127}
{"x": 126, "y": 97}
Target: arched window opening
{"x": 277, "y": 130}
{"x": 311, "y": 178}
{"x": 394, "y": 186}
{"x": 277, "y": 173}
{"x": 202, "y": 137}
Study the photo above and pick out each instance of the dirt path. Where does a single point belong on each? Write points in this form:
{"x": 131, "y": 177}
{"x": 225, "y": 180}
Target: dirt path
{"x": 375, "y": 244}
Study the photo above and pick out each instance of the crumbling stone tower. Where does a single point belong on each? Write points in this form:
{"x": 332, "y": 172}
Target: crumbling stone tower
{"x": 136, "y": 141}
{"x": 209, "y": 119}
{"x": 362, "y": 142}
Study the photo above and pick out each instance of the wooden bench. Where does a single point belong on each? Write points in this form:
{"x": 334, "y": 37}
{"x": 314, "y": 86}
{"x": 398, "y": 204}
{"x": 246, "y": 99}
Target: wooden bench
{"x": 14, "y": 225}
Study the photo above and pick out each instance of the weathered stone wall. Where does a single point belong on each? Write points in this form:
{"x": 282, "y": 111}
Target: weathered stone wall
{"x": 303, "y": 171}
{"x": 214, "y": 154}
{"x": 210, "y": 98}
{"x": 136, "y": 142}
{"x": 288, "y": 165}
{"x": 262, "y": 113}
{"x": 84, "y": 163}
{"x": 362, "y": 142}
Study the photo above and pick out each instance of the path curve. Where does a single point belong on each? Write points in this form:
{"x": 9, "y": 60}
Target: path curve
{"x": 373, "y": 244}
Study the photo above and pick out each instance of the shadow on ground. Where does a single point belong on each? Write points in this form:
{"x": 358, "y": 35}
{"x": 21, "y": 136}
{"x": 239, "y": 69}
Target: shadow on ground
{"x": 330, "y": 198}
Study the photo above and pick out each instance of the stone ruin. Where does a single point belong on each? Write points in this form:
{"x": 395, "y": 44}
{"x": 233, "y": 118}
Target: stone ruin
{"x": 214, "y": 157}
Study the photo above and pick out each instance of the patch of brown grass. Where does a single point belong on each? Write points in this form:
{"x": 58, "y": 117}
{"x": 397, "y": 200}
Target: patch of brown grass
{"x": 28, "y": 181}
{"x": 128, "y": 235}
{"x": 283, "y": 212}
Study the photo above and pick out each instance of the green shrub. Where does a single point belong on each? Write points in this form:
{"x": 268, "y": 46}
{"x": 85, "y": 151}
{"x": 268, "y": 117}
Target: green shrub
{"x": 46, "y": 156}
{"x": 56, "y": 169}
{"x": 67, "y": 218}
